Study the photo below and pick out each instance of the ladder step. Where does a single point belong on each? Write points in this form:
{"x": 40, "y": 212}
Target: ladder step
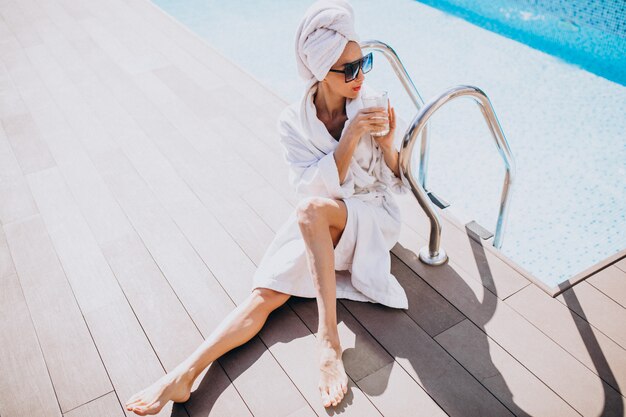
{"x": 477, "y": 231}
{"x": 438, "y": 201}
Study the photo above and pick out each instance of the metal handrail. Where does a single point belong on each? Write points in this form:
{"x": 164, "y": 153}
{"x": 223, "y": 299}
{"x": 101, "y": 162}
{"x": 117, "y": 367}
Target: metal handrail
{"x": 420, "y": 120}
{"x": 433, "y": 254}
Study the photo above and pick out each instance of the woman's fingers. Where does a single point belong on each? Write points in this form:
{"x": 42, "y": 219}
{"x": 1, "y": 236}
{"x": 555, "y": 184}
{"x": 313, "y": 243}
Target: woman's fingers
{"x": 368, "y": 110}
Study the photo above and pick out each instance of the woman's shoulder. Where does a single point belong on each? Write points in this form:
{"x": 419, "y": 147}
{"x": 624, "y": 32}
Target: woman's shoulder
{"x": 289, "y": 112}
{"x": 289, "y": 117}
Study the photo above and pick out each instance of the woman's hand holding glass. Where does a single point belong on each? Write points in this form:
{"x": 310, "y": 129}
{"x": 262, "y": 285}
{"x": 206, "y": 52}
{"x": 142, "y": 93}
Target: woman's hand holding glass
{"x": 386, "y": 141}
{"x": 366, "y": 120}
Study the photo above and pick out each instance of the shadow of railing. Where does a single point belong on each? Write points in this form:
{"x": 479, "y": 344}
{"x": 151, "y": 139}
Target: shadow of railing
{"x": 613, "y": 401}
{"x": 454, "y": 400}
{"x": 379, "y": 328}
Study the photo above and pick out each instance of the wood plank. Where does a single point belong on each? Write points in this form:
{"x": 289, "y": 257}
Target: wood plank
{"x": 455, "y": 390}
{"x": 31, "y": 152}
{"x": 270, "y": 163}
{"x": 107, "y": 405}
{"x": 10, "y": 103}
{"x": 302, "y": 412}
{"x": 539, "y": 354}
{"x": 118, "y": 335}
{"x": 25, "y": 386}
{"x": 269, "y": 205}
{"x": 187, "y": 274}
{"x": 6, "y": 263}
{"x": 14, "y": 18}
{"x": 77, "y": 10}
{"x": 74, "y": 364}
{"x": 216, "y": 395}
{"x": 16, "y": 200}
{"x": 132, "y": 30}
{"x": 481, "y": 264}
{"x": 228, "y": 102}
{"x": 189, "y": 277}
{"x": 173, "y": 193}
{"x": 224, "y": 118}
{"x": 590, "y": 346}
{"x": 362, "y": 354}
{"x": 239, "y": 220}
{"x": 596, "y": 308}
{"x": 612, "y": 282}
{"x": 164, "y": 315}
{"x": 293, "y": 344}
{"x": 257, "y": 244}
{"x": 90, "y": 277}
{"x": 9, "y": 167}
{"x": 77, "y": 113}
{"x": 517, "y": 388}
{"x": 229, "y": 98}
{"x": 363, "y": 357}
{"x": 110, "y": 225}
{"x": 127, "y": 353}
{"x": 252, "y": 234}
{"x": 166, "y": 29}
{"x": 250, "y": 367}
{"x": 427, "y": 307}
{"x": 162, "y": 142}
{"x": 393, "y": 392}
{"x": 258, "y": 125}
{"x": 150, "y": 324}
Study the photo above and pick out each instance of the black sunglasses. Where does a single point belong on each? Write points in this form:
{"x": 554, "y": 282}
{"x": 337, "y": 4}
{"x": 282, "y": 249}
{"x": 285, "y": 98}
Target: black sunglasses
{"x": 351, "y": 69}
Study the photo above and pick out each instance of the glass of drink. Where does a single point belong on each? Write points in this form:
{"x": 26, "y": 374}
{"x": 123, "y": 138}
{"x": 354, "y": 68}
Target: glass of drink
{"x": 377, "y": 99}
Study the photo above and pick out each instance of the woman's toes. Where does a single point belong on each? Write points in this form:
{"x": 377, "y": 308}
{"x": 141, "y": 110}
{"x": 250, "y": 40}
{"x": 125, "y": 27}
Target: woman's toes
{"x": 327, "y": 400}
{"x": 333, "y": 396}
{"x": 325, "y": 397}
{"x": 336, "y": 396}
{"x": 141, "y": 411}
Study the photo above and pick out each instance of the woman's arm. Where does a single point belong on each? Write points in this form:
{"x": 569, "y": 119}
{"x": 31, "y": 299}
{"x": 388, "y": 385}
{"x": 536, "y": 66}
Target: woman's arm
{"x": 310, "y": 172}
{"x": 343, "y": 155}
{"x": 364, "y": 121}
{"x": 392, "y": 158}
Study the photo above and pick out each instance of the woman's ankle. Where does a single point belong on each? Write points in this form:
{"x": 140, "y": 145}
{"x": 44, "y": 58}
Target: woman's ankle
{"x": 328, "y": 338}
{"x": 186, "y": 373}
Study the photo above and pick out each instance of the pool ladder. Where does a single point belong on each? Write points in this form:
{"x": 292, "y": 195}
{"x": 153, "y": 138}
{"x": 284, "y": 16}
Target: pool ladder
{"x": 434, "y": 254}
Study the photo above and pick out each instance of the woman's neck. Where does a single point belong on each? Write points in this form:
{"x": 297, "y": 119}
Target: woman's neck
{"x": 328, "y": 104}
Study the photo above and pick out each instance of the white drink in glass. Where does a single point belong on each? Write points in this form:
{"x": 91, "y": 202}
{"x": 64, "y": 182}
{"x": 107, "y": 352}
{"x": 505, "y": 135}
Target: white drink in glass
{"x": 377, "y": 99}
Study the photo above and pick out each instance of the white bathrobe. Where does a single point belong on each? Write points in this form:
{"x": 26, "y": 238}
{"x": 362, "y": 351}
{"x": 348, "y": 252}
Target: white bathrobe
{"x": 362, "y": 258}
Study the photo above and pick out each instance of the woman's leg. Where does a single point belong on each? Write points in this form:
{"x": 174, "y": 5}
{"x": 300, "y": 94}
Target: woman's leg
{"x": 241, "y": 324}
{"x": 322, "y": 222}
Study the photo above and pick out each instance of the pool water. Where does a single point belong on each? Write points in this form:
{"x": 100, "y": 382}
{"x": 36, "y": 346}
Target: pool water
{"x": 565, "y": 125}
{"x": 589, "y": 33}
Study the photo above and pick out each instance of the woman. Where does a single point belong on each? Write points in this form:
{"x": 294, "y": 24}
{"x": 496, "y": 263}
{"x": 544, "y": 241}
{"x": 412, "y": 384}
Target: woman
{"x": 336, "y": 243}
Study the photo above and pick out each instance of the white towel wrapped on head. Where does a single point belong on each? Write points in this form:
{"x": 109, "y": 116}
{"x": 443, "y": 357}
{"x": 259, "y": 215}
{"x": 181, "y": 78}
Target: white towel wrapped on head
{"x": 325, "y": 29}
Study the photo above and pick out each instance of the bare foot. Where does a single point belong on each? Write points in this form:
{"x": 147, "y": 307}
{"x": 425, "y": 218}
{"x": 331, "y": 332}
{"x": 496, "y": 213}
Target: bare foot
{"x": 174, "y": 386}
{"x": 333, "y": 379}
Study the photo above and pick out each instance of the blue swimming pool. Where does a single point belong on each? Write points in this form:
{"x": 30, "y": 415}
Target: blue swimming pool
{"x": 565, "y": 124}
{"x": 589, "y": 33}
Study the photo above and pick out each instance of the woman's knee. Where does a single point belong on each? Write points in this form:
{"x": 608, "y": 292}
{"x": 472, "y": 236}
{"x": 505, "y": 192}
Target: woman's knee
{"x": 311, "y": 211}
{"x": 271, "y": 299}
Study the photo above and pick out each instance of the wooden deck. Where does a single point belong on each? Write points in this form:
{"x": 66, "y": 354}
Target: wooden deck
{"x": 142, "y": 180}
